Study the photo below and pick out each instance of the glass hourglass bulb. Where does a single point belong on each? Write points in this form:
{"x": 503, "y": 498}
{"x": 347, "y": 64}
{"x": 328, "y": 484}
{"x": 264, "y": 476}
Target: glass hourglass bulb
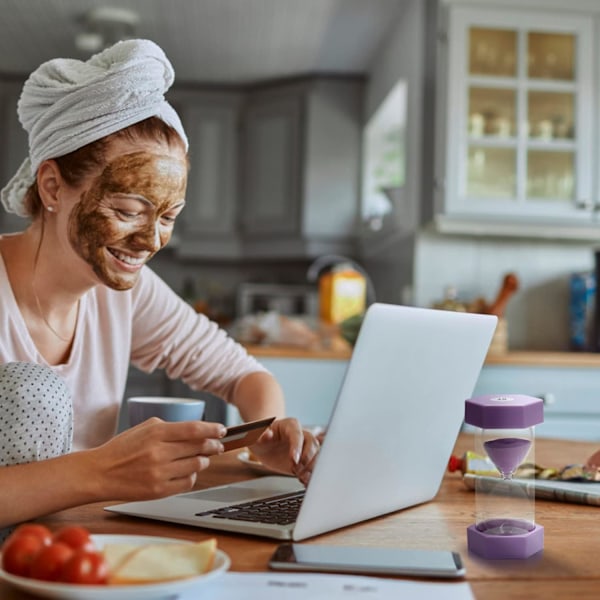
{"x": 507, "y": 453}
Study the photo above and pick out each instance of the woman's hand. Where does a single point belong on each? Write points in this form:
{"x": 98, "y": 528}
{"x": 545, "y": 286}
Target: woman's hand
{"x": 155, "y": 459}
{"x": 288, "y": 448}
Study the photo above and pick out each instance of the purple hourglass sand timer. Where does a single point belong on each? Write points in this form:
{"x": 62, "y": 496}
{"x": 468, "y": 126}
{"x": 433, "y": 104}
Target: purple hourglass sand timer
{"x": 505, "y": 525}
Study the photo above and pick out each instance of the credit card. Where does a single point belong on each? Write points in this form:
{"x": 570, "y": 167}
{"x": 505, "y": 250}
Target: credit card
{"x": 245, "y": 434}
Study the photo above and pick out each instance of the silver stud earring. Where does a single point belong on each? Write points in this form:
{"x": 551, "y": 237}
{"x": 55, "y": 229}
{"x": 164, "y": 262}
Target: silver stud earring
{"x": 50, "y": 208}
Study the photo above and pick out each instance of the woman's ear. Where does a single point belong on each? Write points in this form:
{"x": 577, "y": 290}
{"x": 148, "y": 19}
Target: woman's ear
{"x": 49, "y": 181}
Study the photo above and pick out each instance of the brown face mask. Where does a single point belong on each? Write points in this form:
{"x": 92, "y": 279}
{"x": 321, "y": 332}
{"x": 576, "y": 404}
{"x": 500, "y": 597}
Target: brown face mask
{"x": 127, "y": 215}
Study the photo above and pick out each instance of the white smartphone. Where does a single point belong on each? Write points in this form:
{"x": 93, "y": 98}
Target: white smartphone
{"x": 366, "y": 560}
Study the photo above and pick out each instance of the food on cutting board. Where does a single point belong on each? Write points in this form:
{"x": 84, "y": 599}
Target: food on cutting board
{"x": 70, "y": 555}
{"x": 508, "y": 287}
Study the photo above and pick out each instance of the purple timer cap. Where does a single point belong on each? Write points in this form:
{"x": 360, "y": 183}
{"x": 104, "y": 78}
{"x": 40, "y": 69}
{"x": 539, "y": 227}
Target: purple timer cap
{"x": 504, "y": 411}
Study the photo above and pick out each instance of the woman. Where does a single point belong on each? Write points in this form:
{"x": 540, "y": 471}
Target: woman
{"x": 103, "y": 184}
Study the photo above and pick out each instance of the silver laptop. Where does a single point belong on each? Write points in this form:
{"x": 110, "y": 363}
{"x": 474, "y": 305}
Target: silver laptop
{"x": 392, "y": 430}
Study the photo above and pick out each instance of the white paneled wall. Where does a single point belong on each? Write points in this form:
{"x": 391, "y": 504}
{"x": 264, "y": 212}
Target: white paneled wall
{"x": 538, "y": 313}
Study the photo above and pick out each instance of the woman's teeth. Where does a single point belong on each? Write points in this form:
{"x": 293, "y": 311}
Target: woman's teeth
{"x": 130, "y": 260}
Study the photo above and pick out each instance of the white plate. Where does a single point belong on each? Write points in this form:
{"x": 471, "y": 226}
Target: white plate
{"x": 170, "y": 589}
{"x": 256, "y": 465}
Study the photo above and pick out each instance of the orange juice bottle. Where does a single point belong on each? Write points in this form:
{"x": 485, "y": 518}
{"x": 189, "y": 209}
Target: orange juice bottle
{"x": 342, "y": 293}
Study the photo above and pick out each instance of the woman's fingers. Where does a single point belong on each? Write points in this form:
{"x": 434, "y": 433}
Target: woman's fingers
{"x": 178, "y": 485}
{"x": 182, "y": 439}
{"x": 304, "y": 472}
{"x": 157, "y": 458}
{"x": 288, "y": 448}
{"x": 183, "y": 430}
{"x": 290, "y": 431}
{"x": 186, "y": 467}
{"x": 164, "y": 477}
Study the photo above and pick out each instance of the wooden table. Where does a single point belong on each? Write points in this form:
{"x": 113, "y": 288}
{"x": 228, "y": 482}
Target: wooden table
{"x": 569, "y": 566}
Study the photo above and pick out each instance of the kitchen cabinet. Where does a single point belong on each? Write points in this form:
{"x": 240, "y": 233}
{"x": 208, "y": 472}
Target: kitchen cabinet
{"x": 271, "y": 194}
{"x": 570, "y": 393}
{"x": 569, "y": 384}
{"x": 275, "y": 169}
{"x": 571, "y": 396}
{"x": 208, "y": 225}
{"x": 310, "y": 386}
{"x": 14, "y": 149}
{"x": 301, "y": 167}
{"x": 516, "y": 152}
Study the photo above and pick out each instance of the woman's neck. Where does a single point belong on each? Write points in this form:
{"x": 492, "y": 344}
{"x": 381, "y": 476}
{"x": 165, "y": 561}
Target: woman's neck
{"x": 45, "y": 291}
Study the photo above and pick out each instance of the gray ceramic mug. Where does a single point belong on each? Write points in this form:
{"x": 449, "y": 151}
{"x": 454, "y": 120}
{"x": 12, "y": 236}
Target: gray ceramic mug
{"x": 167, "y": 408}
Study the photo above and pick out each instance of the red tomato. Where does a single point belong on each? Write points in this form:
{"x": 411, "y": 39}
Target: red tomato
{"x": 36, "y": 529}
{"x": 18, "y": 553}
{"x": 49, "y": 561}
{"x": 85, "y": 567}
{"x": 75, "y": 536}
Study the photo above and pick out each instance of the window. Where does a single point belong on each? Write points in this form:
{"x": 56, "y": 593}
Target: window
{"x": 384, "y": 155}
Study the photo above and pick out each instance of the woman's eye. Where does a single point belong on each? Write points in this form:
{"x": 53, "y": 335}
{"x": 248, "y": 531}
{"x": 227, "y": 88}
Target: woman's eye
{"x": 168, "y": 219}
{"x": 127, "y": 214}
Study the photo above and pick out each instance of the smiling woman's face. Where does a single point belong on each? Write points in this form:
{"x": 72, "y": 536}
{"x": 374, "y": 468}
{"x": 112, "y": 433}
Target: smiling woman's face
{"x": 126, "y": 213}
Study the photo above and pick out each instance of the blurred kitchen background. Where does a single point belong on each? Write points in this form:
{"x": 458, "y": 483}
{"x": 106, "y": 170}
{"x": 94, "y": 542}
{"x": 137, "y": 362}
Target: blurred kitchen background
{"x": 437, "y": 146}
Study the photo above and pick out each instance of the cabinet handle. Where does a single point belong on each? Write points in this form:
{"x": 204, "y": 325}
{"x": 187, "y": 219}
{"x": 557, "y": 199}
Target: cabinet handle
{"x": 548, "y": 398}
{"x": 585, "y": 205}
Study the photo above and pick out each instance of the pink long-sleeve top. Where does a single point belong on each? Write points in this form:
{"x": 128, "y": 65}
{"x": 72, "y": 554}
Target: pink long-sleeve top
{"x": 148, "y": 326}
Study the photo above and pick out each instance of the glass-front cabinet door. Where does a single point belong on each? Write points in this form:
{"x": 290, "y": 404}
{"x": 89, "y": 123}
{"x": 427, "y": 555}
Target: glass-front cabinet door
{"x": 519, "y": 117}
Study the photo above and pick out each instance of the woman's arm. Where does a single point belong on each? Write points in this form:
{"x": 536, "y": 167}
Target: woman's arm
{"x": 153, "y": 460}
{"x": 285, "y": 446}
{"x": 258, "y": 395}
{"x": 37, "y": 488}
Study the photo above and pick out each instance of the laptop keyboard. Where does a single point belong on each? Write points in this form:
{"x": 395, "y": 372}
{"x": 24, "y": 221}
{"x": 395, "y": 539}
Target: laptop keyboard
{"x": 276, "y": 510}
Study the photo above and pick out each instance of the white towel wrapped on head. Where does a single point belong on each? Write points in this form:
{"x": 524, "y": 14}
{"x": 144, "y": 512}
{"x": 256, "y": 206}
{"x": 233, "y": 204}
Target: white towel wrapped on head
{"x": 67, "y": 103}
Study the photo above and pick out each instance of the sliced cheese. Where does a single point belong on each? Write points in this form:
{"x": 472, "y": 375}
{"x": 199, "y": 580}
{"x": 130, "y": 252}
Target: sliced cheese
{"x": 154, "y": 563}
{"x": 116, "y": 554}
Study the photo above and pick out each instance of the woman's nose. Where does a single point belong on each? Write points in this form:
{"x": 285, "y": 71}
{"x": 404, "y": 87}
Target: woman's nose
{"x": 150, "y": 237}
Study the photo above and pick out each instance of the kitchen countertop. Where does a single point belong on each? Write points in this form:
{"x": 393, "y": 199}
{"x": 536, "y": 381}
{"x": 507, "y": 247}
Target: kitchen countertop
{"x": 340, "y": 350}
{"x": 538, "y": 358}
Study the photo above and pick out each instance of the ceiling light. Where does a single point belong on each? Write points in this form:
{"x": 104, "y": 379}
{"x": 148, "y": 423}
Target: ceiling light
{"x": 112, "y": 15}
{"x": 103, "y": 26}
{"x": 86, "y": 41}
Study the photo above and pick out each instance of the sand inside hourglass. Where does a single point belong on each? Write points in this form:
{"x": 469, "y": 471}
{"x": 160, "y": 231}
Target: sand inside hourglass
{"x": 507, "y": 453}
